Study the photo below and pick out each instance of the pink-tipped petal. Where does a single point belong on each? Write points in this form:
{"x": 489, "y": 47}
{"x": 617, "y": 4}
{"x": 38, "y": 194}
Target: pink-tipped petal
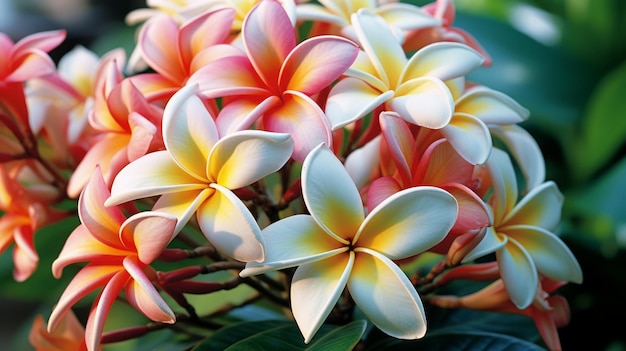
{"x": 316, "y": 63}
{"x": 380, "y": 189}
{"x": 101, "y": 308}
{"x": 159, "y": 45}
{"x": 315, "y": 289}
{"x": 386, "y": 296}
{"x": 400, "y": 142}
{"x": 203, "y": 31}
{"x": 240, "y": 114}
{"x": 241, "y": 158}
{"x": 149, "y": 233}
{"x": 330, "y": 195}
{"x": 303, "y": 119}
{"x": 143, "y": 296}
{"x": 230, "y": 75}
{"x": 230, "y": 227}
{"x": 441, "y": 164}
{"x": 408, "y": 222}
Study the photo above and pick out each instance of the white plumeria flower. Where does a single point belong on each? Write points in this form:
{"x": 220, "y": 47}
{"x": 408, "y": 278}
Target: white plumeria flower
{"x": 522, "y": 234}
{"x": 414, "y": 88}
{"x": 198, "y": 170}
{"x": 339, "y": 245}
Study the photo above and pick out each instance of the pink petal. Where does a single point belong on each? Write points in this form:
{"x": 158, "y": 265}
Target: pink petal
{"x": 400, "y": 143}
{"x": 316, "y": 63}
{"x": 159, "y": 44}
{"x": 44, "y": 41}
{"x": 143, "y": 135}
{"x": 380, "y": 189}
{"x": 25, "y": 256}
{"x": 441, "y": 164}
{"x": 268, "y": 36}
{"x": 149, "y": 232}
{"x": 230, "y": 75}
{"x": 143, "y": 296}
{"x": 101, "y": 308}
{"x": 37, "y": 63}
{"x": 203, "y": 31}
{"x": 303, "y": 119}
{"x": 241, "y": 113}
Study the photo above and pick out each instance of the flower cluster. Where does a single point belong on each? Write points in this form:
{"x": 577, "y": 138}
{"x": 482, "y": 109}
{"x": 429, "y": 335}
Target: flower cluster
{"x": 321, "y": 150}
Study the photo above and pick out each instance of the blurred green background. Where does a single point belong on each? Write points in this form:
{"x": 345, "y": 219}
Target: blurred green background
{"x": 564, "y": 60}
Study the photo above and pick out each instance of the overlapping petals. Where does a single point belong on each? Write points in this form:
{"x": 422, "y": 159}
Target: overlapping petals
{"x": 198, "y": 171}
{"x": 339, "y": 245}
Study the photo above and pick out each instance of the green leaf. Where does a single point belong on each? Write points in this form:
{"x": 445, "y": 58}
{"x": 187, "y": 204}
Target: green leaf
{"x": 276, "y": 335}
{"x": 604, "y": 126}
{"x": 459, "y": 341}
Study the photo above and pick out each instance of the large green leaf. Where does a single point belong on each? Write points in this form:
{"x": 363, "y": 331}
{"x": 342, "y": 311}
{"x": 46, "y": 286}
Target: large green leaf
{"x": 604, "y": 126}
{"x": 277, "y": 335}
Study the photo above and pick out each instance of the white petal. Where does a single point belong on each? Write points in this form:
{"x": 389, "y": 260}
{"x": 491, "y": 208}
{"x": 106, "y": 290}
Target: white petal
{"x": 386, "y": 296}
{"x": 315, "y": 289}
{"x": 518, "y": 273}
{"x": 426, "y": 102}
{"x": 351, "y": 99}
{"x": 443, "y": 60}
{"x": 469, "y": 136}
{"x": 362, "y": 164}
{"x": 541, "y": 207}
{"x": 293, "y": 241}
{"x": 504, "y": 183}
{"x": 491, "y": 106}
{"x": 490, "y": 243}
{"x": 408, "y": 222}
{"x": 230, "y": 227}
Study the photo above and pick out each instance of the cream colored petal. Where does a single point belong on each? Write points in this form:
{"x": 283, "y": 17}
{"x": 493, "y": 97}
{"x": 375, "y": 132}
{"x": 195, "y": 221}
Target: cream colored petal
{"x": 228, "y": 224}
{"x": 469, "y": 136}
{"x": 362, "y": 163}
{"x": 409, "y": 222}
{"x": 541, "y": 207}
{"x": 491, "y": 106}
{"x": 315, "y": 289}
{"x": 363, "y": 69}
{"x": 314, "y": 12}
{"x": 150, "y": 175}
{"x": 330, "y": 195}
{"x": 490, "y": 243}
{"x": 551, "y": 256}
{"x": 351, "y": 99}
{"x": 443, "y": 60}
{"x": 406, "y": 16}
{"x": 386, "y": 296}
{"x": 518, "y": 273}
{"x": 182, "y": 204}
{"x": 189, "y": 131}
{"x": 241, "y": 158}
{"x": 426, "y": 102}
{"x": 293, "y": 241}
{"x": 382, "y": 47}
{"x": 525, "y": 151}
{"x": 504, "y": 183}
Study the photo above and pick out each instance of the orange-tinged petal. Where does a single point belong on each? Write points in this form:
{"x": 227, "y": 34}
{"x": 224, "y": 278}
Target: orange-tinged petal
{"x": 242, "y": 158}
{"x": 143, "y": 296}
{"x": 230, "y": 227}
{"x": 100, "y": 309}
{"x": 425, "y": 101}
{"x": 293, "y": 241}
{"x": 25, "y": 256}
{"x": 315, "y": 289}
{"x": 35, "y": 64}
{"x": 386, "y": 296}
{"x": 330, "y": 195}
{"x": 189, "y": 131}
{"x": 316, "y": 63}
{"x": 551, "y": 256}
{"x": 541, "y": 207}
{"x": 84, "y": 282}
{"x": 518, "y": 273}
{"x": 268, "y": 36}
{"x": 303, "y": 119}
{"x": 443, "y": 60}
{"x": 409, "y": 222}
{"x": 143, "y": 135}
{"x": 469, "y": 136}
{"x": 149, "y": 233}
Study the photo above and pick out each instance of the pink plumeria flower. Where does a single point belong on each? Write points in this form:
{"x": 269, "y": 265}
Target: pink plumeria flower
{"x": 28, "y": 58}
{"x": 333, "y": 16}
{"x": 522, "y": 235}
{"x": 383, "y": 76}
{"x": 68, "y": 335}
{"x": 338, "y": 245}
{"x": 274, "y": 80}
{"x": 198, "y": 171}
{"x": 119, "y": 251}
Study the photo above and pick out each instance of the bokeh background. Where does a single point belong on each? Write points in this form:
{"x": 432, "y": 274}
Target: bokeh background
{"x": 564, "y": 60}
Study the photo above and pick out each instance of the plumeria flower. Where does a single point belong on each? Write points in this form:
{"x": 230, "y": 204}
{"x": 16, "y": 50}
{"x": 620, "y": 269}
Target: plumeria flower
{"x": 198, "y": 171}
{"x": 383, "y": 76}
{"x": 338, "y": 245}
{"x": 119, "y": 251}
{"x": 274, "y": 80}
{"x": 522, "y": 234}
{"x": 68, "y": 335}
{"x": 333, "y": 16}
